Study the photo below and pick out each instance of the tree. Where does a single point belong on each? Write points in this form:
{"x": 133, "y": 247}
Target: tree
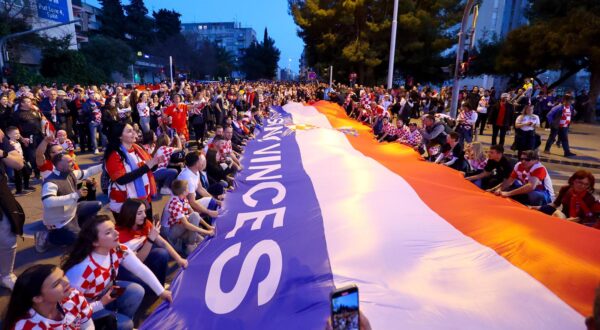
{"x": 112, "y": 18}
{"x": 354, "y": 36}
{"x": 16, "y": 16}
{"x": 59, "y": 63}
{"x": 167, "y": 23}
{"x": 250, "y": 62}
{"x": 138, "y": 26}
{"x": 259, "y": 61}
{"x": 225, "y": 62}
{"x": 108, "y": 54}
{"x": 562, "y": 35}
{"x": 269, "y": 55}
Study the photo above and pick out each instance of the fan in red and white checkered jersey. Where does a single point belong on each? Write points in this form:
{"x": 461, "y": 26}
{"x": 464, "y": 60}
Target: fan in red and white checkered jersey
{"x": 76, "y": 311}
{"x": 97, "y": 278}
{"x": 177, "y": 208}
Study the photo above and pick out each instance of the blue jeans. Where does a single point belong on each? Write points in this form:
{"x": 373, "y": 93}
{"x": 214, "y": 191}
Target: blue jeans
{"x": 145, "y": 124}
{"x": 466, "y": 134}
{"x": 165, "y": 176}
{"x": 157, "y": 260}
{"x": 533, "y": 198}
{"x": 96, "y": 128}
{"x": 563, "y": 134}
{"x": 125, "y": 306}
{"x": 67, "y": 234}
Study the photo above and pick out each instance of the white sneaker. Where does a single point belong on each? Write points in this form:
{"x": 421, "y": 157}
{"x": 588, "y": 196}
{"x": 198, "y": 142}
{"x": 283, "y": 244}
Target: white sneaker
{"x": 96, "y": 152}
{"x": 8, "y": 281}
{"x": 165, "y": 191}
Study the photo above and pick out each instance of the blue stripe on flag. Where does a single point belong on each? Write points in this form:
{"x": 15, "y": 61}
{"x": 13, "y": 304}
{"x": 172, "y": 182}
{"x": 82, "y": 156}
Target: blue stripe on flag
{"x": 267, "y": 267}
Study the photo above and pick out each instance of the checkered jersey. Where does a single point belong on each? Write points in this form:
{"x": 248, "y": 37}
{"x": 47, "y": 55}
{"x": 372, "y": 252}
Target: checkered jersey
{"x": 67, "y": 145}
{"x": 167, "y": 152}
{"x": 76, "y": 312}
{"x": 411, "y": 138}
{"x": 390, "y": 129}
{"x": 143, "y": 109}
{"x": 97, "y": 115}
{"x": 176, "y": 208}
{"x": 38, "y": 322}
{"x": 76, "y": 308}
{"x": 197, "y": 107}
{"x": 97, "y": 278}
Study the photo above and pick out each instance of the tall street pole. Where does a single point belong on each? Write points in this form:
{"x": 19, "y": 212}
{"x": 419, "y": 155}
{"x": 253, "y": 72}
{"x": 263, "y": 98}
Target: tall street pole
{"x": 392, "y": 46}
{"x": 459, "y": 53}
{"x": 171, "y": 68}
{"x": 330, "y": 76}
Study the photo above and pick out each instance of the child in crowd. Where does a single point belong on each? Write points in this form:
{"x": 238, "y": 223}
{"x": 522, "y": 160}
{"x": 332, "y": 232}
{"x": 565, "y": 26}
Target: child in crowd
{"x": 476, "y": 157}
{"x": 180, "y": 222}
{"x": 21, "y": 176}
{"x": 66, "y": 144}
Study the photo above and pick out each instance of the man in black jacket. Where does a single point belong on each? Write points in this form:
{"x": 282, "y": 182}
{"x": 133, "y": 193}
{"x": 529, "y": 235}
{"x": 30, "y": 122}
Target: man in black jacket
{"x": 501, "y": 117}
{"x": 217, "y": 169}
{"x": 55, "y": 110}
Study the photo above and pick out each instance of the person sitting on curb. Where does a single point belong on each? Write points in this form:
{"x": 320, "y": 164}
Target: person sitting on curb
{"x": 496, "y": 170}
{"x": 63, "y": 212}
{"x": 529, "y": 183}
{"x": 180, "y": 222}
{"x": 576, "y": 198}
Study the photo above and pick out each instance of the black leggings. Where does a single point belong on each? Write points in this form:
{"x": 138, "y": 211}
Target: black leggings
{"x": 481, "y": 121}
{"x": 22, "y": 177}
{"x": 199, "y": 131}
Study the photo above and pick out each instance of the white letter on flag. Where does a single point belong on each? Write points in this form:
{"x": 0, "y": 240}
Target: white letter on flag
{"x": 221, "y": 302}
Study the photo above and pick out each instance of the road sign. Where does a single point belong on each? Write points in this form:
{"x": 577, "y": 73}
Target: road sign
{"x": 54, "y": 10}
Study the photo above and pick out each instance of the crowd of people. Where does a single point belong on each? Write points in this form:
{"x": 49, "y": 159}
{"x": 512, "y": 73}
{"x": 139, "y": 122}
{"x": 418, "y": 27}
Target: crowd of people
{"x": 185, "y": 141}
{"x": 418, "y": 118}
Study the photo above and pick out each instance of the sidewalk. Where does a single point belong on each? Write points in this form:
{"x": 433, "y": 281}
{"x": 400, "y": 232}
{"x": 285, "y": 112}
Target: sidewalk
{"x": 584, "y": 140}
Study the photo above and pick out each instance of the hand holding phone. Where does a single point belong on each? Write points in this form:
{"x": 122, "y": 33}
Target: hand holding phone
{"x": 345, "y": 313}
{"x": 117, "y": 291}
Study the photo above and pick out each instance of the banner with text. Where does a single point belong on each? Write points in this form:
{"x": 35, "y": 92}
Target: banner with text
{"x": 267, "y": 266}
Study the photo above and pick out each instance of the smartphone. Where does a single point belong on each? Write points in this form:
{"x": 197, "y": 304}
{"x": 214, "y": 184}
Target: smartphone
{"x": 117, "y": 291}
{"x": 345, "y": 314}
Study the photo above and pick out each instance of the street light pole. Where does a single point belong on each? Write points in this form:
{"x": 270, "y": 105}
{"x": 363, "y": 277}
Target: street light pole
{"x": 330, "y": 76}
{"x": 171, "y": 68}
{"x": 459, "y": 53}
{"x": 390, "y": 76}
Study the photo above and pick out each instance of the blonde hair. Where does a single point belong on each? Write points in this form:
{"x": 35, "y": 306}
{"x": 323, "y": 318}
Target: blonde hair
{"x": 178, "y": 187}
{"x": 476, "y": 151}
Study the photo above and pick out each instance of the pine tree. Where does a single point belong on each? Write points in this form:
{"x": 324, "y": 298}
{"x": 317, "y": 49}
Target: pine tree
{"x": 260, "y": 59}
{"x": 138, "y": 25}
{"x": 112, "y": 18}
{"x": 167, "y": 23}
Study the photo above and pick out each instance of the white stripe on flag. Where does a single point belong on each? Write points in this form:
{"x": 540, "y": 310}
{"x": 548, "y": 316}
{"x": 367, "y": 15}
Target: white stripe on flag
{"x": 413, "y": 269}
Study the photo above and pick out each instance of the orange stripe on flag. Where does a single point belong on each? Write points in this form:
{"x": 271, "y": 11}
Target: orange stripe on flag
{"x": 563, "y": 256}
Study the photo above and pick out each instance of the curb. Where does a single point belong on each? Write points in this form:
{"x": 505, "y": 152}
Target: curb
{"x": 561, "y": 162}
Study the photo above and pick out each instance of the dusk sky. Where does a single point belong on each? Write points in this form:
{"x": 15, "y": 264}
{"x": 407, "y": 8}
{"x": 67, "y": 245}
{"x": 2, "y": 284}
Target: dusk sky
{"x": 272, "y": 14}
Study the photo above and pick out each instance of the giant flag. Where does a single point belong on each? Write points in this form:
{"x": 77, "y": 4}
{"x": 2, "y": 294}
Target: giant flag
{"x": 320, "y": 204}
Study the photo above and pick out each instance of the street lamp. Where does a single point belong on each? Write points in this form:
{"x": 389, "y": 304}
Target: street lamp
{"x": 459, "y": 54}
{"x": 392, "y": 46}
